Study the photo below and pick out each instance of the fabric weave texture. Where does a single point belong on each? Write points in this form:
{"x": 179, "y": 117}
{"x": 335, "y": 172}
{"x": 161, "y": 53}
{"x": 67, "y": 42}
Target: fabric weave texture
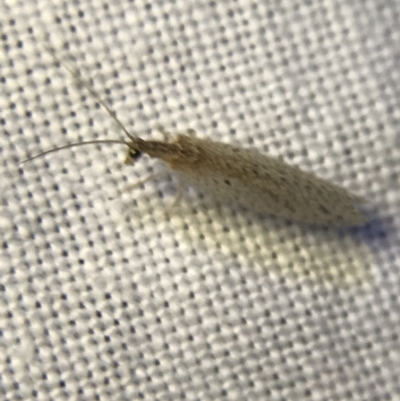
{"x": 105, "y": 297}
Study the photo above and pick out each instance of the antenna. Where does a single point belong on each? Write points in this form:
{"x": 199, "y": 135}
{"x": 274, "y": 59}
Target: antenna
{"x": 72, "y": 145}
{"x": 76, "y": 76}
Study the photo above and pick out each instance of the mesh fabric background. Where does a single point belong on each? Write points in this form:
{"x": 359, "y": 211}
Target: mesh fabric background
{"x": 110, "y": 299}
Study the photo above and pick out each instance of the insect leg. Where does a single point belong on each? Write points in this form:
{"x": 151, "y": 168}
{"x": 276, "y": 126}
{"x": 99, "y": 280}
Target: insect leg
{"x": 166, "y": 135}
{"x": 191, "y": 132}
{"x": 139, "y": 183}
{"x": 177, "y": 199}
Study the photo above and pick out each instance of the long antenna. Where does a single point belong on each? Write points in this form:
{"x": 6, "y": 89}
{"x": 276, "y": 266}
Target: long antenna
{"x": 76, "y": 76}
{"x": 72, "y": 145}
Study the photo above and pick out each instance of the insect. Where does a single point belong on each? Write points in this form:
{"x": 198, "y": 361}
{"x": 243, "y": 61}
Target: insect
{"x": 263, "y": 184}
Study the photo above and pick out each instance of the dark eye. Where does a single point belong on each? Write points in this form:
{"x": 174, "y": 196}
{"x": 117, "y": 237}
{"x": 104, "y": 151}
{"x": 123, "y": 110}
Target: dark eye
{"x": 134, "y": 154}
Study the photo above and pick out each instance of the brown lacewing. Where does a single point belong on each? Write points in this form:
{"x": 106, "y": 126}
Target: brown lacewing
{"x": 235, "y": 174}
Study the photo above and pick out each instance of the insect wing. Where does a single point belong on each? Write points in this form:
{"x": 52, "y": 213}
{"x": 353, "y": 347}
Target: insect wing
{"x": 269, "y": 185}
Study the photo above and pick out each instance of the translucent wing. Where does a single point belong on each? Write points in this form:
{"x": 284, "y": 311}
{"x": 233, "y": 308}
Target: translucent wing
{"x": 265, "y": 184}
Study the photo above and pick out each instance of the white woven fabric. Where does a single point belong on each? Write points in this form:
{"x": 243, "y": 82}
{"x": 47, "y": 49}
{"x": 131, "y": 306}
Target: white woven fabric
{"x": 111, "y": 300}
